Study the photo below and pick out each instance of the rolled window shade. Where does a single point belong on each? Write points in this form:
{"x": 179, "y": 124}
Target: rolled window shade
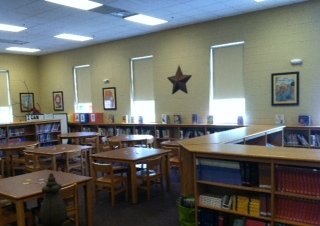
{"x": 143, "y": 79}
{"x": 83, "y": 84}
{"x": 4, "y": 98}
{"x": 228, "y": 72}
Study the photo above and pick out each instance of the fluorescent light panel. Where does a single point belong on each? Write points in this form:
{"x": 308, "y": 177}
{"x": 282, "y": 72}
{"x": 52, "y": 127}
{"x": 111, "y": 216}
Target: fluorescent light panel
{"x": 143, "y": 19}
{"x": 258, "y": 0}
{"x": 73, "y": 37}
{"x": 79, "y": 4}
{"x": 22, "y": 49}
{"x": 12, "y": 28}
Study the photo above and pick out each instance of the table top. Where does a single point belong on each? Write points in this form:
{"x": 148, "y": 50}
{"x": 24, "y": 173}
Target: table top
{"x": 78, "y": 135}
{"x": 58, "y": 149}
{"x": 133, "y": 137}
{"x": 170, "y": 143}
{"x": 131, "y": 153}
{"x": 31, "y": 184}
{"x": 17, "y": 145}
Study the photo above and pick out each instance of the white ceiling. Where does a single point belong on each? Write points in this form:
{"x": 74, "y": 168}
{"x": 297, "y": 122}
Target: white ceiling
{"x": 44, "y": 19}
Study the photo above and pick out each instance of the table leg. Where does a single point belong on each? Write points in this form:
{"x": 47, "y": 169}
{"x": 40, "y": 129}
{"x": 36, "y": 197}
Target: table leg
{"x": 89, "y": 202}
{"x": 20, "y": 213}
{"x": 134, "y": 190}
{"x": 167, "y": 173}
{"x": 54, "y": 163}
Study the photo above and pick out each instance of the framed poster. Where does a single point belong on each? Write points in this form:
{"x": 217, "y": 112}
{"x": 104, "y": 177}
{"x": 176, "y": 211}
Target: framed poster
{"x": 285, "y": 88}
{"x": 58, "y": 101}
{"x": 109, "y": 98}
{"x": 26, "y": 102}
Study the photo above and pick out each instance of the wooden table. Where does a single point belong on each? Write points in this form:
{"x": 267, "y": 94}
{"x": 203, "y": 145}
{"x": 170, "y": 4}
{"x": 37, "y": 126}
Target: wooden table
{"x": 132, "y": 139}
{"x": 60, "y": 149}
{"x": 79, "y": 136}
{"x": 10, "y": 148}
{"x": 22, "y": 188}
{"x": 133, "y": 156}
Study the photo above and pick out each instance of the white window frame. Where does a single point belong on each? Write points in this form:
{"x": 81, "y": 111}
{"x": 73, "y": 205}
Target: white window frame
{"x": 6, "y": 114}
{"x": 80, "y": 107}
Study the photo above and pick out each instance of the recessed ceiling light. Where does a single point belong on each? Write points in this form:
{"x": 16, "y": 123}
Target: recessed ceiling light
{"x": 79, "y": 4}
{"x": 22, "y": 49}
{"x": 143, "y": 19}
{"x": 7, "y": 27}
{"x": 73, "y": 37}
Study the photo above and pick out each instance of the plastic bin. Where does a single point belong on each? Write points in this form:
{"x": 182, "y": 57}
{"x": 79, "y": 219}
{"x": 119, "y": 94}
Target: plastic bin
{"x": 186, "y": 216}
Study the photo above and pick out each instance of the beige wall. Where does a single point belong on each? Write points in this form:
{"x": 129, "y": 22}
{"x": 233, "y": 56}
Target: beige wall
{"x": 272, "y": 38}
{"x": 22, "y": 70}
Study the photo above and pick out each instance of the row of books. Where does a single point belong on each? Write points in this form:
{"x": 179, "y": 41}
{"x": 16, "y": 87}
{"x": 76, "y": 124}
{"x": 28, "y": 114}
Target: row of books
{"x": 298, "y": 210}
{"x": 16, "y": 131}
{"x": 298, "y": 180}
{"x": 255, "y": 206}
{"x": 47, "y": 128}
{"x": 46, "y": 137}
{"x": 233, "y": 172}
{"x": 295, "y": 139}
{"x": 213, "y": 218}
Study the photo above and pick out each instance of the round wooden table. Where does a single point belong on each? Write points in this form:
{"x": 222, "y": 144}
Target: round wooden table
{"x": 80, "y": 136}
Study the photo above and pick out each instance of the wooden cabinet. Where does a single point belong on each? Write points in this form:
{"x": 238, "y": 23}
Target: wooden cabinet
{"x": 46, "y": 132}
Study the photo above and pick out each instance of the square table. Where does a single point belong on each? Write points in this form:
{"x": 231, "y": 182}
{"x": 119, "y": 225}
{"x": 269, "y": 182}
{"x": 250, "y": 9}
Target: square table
{"x": 60, "y": 149}
{"x": 133, "y": 156}
{"x": 22, "y": 188}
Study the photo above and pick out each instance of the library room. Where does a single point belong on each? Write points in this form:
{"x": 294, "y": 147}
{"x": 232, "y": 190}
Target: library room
{"x": 176, "y": 113}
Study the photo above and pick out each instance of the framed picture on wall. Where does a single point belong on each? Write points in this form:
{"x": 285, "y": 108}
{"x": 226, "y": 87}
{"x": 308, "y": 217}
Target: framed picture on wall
{"x": 58, "y": 104}
{"x": 285, "y": 88}
{"x": 26, "y": 102}
{"x": 109, "y": 98}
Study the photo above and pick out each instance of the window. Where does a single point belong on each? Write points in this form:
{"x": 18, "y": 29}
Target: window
{"x": 227, "y": 100}
{"x": 142, "y": 89}
{"x": 5, "y": 99}
{"x": 82, "y": 89}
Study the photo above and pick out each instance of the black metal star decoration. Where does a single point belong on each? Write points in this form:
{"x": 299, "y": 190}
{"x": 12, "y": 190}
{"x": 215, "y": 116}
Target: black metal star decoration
{"x": 179, "y": 81}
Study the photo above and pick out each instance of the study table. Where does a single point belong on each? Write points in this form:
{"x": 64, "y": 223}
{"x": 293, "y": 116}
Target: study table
{"x": 133, "y": 156}
{"x": 56, "y": 150}
{"x": 79, "y": 136}
{"x": 133, "y": 138}
{"x": 11, "y": 147}
{"x": 22, "y": 188}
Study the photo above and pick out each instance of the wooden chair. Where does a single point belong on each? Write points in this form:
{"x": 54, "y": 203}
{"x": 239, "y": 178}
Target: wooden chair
{"x": 2, "y": 167}
{"x": 18, "y": 160}
{"x": 35, "y": 163}
{"x": 70, "y": 196}
{"x": 151, "y": 175}
{"x": 115, "y": 144}
{"x": 105, "y": 178}
{"x": 73, "y": 161}
{"x": 8, "y": 215}
{"x": 91, "y": 141}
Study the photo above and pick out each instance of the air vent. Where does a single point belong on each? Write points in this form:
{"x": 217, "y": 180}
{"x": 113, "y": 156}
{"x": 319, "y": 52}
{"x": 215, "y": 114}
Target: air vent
{"x": 108, "y": 10}
{"x": 16, "y": 42}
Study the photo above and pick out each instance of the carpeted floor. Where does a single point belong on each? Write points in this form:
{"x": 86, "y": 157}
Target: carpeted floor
{"x": 161, "y": 210}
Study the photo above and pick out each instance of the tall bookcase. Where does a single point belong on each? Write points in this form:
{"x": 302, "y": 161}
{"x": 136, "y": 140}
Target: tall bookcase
{"x": 46, "y": 132}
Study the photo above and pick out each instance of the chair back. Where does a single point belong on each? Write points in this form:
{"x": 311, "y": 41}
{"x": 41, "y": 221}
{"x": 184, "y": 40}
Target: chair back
{"x": 115, "y": 144}
{"x": 154, "y": 166}
{"x": 101, "y": 169}
{"x": 74, "y": 161}
{"x": 31, "y": 162}
{"x": 70, "y": 196}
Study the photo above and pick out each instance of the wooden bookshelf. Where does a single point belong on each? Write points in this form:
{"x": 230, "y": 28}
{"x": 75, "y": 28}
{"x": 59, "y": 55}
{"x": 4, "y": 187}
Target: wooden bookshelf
{"x": 44, "y": 131}
{"x": 293, "y": 173}
{"x": 161, "y": 132}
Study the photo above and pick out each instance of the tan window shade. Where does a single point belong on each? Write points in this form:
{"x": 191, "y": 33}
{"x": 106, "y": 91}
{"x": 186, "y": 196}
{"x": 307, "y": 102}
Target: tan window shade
{"x": 143, "y": 79}
{"x": 83, "y": 84}
{"x": 228, "y": 72}
{"x": 4, "y": 88}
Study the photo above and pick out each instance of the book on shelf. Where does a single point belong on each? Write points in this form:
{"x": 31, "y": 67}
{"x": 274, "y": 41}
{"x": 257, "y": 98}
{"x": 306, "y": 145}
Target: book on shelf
{"x": 304, "y": 120}
{"x": 110, "y": 118}
{"x": 177, "y": 119}
{"x": 264, "y": 175}
{"x": 125, "y": 119}
{"x": 210, "y": 119}
{"x": 194, "y": 118}
{"x": 165, "y": 119}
